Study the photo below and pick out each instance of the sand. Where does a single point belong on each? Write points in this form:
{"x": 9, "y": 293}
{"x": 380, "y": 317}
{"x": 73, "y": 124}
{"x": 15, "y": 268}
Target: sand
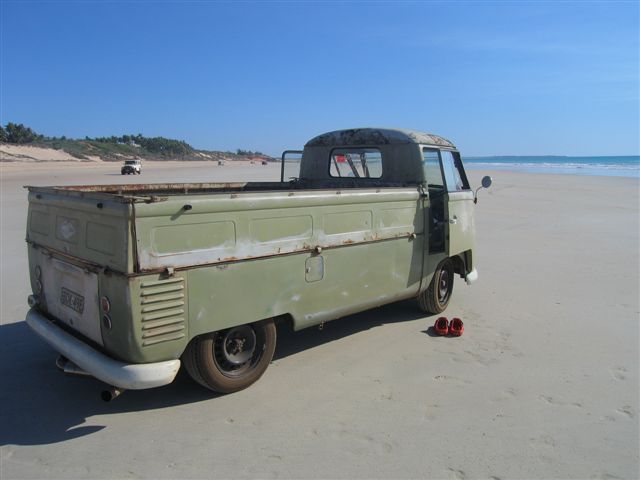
{"x": 25, "y": 153}
{"x": 543, "y": 384}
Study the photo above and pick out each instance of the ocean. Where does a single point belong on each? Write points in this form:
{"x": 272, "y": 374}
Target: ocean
{"x": 627, "y": 166}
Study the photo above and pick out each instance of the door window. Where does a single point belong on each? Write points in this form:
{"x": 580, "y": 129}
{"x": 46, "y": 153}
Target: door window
{"x": 453, "y": 172}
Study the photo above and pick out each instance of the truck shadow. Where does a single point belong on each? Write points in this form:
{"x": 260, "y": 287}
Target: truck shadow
{"x": 290, "y": 342}
{"x": 39, "y": 405}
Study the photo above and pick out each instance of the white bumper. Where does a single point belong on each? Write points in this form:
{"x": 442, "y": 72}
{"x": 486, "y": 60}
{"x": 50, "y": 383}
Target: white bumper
{"x": 471, "y": 277}
{"x": 110, "y": 371}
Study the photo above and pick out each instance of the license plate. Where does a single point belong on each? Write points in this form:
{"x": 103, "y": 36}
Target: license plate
{"x": 72, "y": 300}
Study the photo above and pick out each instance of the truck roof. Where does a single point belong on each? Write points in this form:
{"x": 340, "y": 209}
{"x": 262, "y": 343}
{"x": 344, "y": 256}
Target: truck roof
{"x": 377, "y": 136}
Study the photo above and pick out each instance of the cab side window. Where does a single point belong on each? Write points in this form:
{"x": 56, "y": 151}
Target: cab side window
{"x": 432, "y": 171}
{"x": 454, "y": 174}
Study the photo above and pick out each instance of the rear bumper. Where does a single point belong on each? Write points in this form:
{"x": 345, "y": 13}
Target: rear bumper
{"x": 97, "y": 364}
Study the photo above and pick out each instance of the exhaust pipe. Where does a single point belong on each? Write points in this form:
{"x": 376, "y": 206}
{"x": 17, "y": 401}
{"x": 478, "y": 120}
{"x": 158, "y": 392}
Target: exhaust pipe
{"x": 111, "y": 394}
{"x": 70, "y": 368}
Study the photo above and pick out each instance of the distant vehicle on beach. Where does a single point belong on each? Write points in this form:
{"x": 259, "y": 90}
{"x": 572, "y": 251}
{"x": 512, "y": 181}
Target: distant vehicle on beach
{"x": 131, "y": 281}
{"x": 131, "y": 167}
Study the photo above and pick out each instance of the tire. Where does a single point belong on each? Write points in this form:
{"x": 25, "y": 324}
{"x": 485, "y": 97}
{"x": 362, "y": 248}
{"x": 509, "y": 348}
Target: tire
{"x": 436, "y": 298}
{"x": 230, "y": 360}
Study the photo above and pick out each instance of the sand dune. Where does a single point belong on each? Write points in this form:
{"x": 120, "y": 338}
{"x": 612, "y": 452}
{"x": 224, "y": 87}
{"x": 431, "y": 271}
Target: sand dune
{"x": 24, "y": 153}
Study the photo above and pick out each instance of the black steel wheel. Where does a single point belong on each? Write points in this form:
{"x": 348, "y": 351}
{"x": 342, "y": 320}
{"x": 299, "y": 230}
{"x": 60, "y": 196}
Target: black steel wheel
{"x": 436, "y": 298}
{"x": 230, "y": 360}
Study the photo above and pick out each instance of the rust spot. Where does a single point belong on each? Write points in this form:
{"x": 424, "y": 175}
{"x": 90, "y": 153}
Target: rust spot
{"x": 348, "y": 241}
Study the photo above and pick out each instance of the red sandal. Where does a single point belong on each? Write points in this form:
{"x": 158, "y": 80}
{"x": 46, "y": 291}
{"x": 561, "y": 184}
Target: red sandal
{"x": 441, "y": 326}
{"x": 456, "y": 327}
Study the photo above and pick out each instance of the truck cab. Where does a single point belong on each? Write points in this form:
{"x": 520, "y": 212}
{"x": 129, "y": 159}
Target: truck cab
{"x": 391, "y": 157}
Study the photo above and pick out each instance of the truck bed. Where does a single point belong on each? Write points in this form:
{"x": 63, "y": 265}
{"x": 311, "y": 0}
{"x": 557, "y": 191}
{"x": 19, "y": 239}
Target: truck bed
{"x": 146, "y": 228}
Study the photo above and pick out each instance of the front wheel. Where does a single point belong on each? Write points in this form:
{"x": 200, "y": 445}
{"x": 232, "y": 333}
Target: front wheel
{"x": 232, "y": 359}
{"x": 436, "y": 298}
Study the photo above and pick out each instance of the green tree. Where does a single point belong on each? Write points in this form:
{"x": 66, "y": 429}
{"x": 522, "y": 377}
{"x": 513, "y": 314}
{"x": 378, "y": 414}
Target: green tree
{"x": 18, "y": 133}
{"x": 3, "y": 134}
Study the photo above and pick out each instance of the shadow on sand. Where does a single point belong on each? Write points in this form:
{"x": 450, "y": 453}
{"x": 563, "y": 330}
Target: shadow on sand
{"x": 39, "y": 405}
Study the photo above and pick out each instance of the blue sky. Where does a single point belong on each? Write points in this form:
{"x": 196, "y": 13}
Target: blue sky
{"x": 496, "y": 78}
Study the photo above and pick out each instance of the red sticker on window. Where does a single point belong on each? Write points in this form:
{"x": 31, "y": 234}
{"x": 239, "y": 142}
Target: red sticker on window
{"x": 341, "y": 159}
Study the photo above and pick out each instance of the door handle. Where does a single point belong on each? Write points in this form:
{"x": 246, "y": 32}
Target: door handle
{"x": 453, "y": 220}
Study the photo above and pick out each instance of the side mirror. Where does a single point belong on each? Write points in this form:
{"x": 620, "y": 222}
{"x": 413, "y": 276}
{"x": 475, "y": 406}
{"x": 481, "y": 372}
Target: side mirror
{"x": 486, "y": 183}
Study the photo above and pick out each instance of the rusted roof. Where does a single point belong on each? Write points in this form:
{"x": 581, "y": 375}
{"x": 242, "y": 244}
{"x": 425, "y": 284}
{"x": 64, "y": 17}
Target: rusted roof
{"x": 377, "y": 136}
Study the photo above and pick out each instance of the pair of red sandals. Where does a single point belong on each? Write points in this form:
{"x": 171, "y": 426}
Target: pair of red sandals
{"x": 443, "y": 326}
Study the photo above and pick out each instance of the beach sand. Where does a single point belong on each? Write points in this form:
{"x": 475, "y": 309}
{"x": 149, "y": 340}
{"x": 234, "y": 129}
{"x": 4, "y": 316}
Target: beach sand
{"x": 543, "y": 384}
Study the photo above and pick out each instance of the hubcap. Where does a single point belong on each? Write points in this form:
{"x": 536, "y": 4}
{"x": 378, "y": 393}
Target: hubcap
{"x": 239, "y": 344}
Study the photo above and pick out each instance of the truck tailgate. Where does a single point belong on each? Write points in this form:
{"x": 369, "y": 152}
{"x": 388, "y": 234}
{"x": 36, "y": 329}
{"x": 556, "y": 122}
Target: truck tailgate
{"x": 93, "y": 228}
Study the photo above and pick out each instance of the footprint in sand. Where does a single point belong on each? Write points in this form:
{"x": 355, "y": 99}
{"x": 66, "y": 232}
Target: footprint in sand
{"x": 619, "y": 373}
{"x": 552, "y": 401}
{"x": 457, "y": 474}
{"x": 454, "y": 380}
{"x": 543, "y": 441}
{"x": 506, "y": 394}
{"x": 626, "y": 410}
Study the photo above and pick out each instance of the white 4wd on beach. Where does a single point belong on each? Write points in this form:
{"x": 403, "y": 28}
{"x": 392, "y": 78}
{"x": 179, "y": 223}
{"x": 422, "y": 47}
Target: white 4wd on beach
{"x": 131, "y": 166}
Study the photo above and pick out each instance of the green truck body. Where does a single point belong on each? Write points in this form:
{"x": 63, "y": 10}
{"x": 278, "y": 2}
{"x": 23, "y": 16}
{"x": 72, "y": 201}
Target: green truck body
{"x": 141, "y": 276}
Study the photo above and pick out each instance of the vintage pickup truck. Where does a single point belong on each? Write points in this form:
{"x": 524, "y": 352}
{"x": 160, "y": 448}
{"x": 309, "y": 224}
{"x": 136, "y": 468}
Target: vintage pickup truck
{"x": 130, "y": 281}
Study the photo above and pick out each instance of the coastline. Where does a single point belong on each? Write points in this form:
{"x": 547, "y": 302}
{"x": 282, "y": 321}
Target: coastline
{"x": 608, "y": 166}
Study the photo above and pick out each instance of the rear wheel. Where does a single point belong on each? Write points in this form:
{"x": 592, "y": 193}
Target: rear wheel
{"x": 436, "y": 298}
{"x": 232, "y": 359}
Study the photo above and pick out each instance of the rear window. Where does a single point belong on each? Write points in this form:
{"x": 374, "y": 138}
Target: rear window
{"x": 355, "y": 163}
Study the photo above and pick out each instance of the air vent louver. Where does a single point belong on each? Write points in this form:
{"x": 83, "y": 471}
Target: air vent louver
{"x": 162, "y": 308}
